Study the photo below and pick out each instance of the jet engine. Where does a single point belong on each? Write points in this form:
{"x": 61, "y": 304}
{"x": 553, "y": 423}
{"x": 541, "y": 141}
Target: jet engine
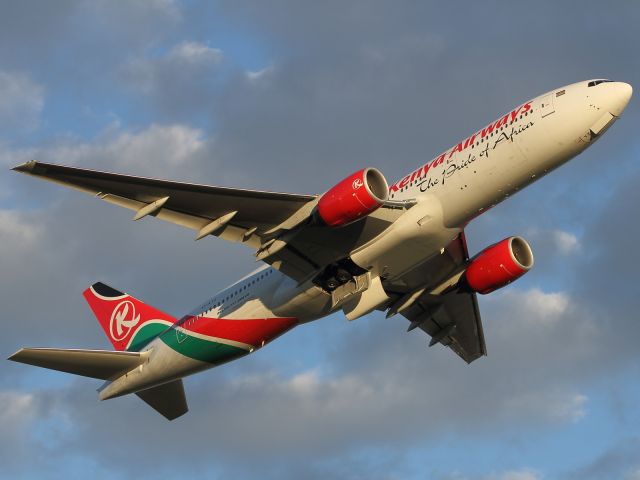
{"x": 353, "y": 198}
{"x": 499, "y": 265}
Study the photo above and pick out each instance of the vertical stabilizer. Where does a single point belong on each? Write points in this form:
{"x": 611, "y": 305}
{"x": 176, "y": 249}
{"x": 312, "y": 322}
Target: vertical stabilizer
{"x": 129, "y": 323}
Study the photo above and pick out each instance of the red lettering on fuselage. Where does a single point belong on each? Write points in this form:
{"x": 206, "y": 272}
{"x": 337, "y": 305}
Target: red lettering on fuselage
{"x": 460, "y": 147}
{"x": 502, "y": 122}
{"x": 514, "y": 114}
{"x": 487, "y": 130}
{"x": 470, "y": 140}
{"x": 457, "y": 148}
{"x": 438, "y": 161}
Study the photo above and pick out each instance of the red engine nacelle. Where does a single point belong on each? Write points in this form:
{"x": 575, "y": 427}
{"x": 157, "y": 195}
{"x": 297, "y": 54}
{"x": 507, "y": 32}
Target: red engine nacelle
{"x": 499, "y": 265}
{"x": 354, "y": 197}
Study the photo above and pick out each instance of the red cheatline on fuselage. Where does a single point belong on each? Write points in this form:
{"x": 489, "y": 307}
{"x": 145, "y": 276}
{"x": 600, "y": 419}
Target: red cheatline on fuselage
{"x": 253, "y": 331}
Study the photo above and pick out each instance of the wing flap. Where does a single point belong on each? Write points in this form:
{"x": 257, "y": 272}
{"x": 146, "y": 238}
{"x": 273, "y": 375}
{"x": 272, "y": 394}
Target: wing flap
{"x": 451, "y": 317}
{"x": 102, "y": 364}
{"x": 458, "y": 319}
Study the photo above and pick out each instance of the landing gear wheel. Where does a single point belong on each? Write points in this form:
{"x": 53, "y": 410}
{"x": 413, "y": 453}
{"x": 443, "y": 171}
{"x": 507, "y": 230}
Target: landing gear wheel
{"x": 343, "y": 276}
{"x": 332, "y": 283}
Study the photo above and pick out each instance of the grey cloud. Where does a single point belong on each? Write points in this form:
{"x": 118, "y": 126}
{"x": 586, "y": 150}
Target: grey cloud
{"x": 76, "y": 37}
{"x": 75, "y": 233}
{"x": 295, "y": 425}
{"x": 179, "y": 81}
{"x": 387, "y": 93}
{"x": 21, "y": 102}
{"x": 349, "y": 85}
{"x": 384, "y": 392}
{"x": 620, "y": 461}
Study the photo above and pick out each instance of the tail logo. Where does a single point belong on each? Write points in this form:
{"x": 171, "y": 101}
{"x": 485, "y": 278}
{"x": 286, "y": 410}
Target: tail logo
{"x": 123, "y": 320}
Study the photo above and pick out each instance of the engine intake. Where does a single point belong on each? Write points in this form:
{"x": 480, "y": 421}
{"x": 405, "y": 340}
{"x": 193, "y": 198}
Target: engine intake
{"x": 499, "y": 265}
{"x": 353, "y": 198}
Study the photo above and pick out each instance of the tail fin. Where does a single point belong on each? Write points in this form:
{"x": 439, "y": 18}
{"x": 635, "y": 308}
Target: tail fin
{"x": 129, "y": 323}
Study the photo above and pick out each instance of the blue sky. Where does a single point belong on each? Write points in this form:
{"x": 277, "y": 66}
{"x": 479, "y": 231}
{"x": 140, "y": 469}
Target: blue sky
{"x": 293, "y": 96}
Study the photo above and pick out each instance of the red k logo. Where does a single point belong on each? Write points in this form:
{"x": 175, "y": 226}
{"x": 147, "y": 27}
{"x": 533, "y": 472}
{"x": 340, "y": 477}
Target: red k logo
{"x": 123, "y": 320}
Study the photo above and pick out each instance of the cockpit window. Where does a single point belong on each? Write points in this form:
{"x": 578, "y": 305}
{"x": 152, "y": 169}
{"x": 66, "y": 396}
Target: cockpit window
{"x": 593, "y": 83}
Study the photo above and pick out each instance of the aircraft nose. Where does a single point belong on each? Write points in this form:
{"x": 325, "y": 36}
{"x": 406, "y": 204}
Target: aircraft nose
{"x": 620, "y": 96}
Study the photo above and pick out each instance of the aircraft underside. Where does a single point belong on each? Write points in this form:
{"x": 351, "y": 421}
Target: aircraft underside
{"x": 361, "y": 246}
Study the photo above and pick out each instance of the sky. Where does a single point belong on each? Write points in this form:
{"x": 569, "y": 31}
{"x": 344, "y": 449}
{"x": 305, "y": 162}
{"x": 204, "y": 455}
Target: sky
{"x": 293, "y": 96}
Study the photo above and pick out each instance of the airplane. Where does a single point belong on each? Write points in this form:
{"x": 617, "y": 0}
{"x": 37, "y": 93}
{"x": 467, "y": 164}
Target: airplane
{"x": 361, "y": 246}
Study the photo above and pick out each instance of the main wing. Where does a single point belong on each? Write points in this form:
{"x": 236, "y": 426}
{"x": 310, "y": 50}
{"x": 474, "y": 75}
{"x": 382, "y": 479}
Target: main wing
{"x": 262, "y": 220}
{"x": 430, "y": 300}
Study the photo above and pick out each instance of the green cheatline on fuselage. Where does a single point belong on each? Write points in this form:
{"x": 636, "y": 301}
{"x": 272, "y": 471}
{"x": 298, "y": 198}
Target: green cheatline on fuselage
{"x": 188, "y": 345}
{"x": 204, "y": 350}
{"x": 145, "y": 334}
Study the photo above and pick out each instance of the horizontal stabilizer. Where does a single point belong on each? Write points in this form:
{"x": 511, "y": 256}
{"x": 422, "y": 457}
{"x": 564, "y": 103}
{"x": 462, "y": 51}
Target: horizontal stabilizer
{"x": 102, "y": 364}
{"x": 169, "y": 399}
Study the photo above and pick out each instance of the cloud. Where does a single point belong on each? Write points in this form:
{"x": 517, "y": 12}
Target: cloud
{"x": 566, "y": 242}
{"x": 619, "y": 461}
{"x": 153, "y": 150}
{"x": 17, "y": 230}
{"x": 19, "y": 412}
{"x": 518, "y": 475}
{"x": 346, "y": 86}
{"x": 561, "y": 407}
{"x": 174, "y": 69}
{"x": 521, "y": 474}
{"x": 378, "y": 391}
{"x": 195, "y": 53}
{"x": 179, "y": 82}
{"x": 66, "y": 237}
{"x": 549, "y": 307}
{"x": 21, "y": 103}
{"x": 156, "y": 149}
{"x": 256, "y": 76}
{"x": 15, "y": 409}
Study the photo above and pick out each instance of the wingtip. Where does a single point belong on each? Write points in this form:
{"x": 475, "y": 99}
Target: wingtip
{"x": 25, "y": 167}
{"x": 14, "y": 357}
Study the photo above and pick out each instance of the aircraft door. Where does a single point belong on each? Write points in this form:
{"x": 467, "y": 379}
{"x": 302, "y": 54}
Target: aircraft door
{"x": 546, "y": 105}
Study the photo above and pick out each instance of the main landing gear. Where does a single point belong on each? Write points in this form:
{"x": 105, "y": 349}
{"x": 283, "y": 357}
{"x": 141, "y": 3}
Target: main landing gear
{"x": 338, "y": 274}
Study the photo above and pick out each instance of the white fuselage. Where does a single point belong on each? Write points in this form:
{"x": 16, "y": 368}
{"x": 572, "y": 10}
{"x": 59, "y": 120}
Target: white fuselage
{"x": 474, "y": 175}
